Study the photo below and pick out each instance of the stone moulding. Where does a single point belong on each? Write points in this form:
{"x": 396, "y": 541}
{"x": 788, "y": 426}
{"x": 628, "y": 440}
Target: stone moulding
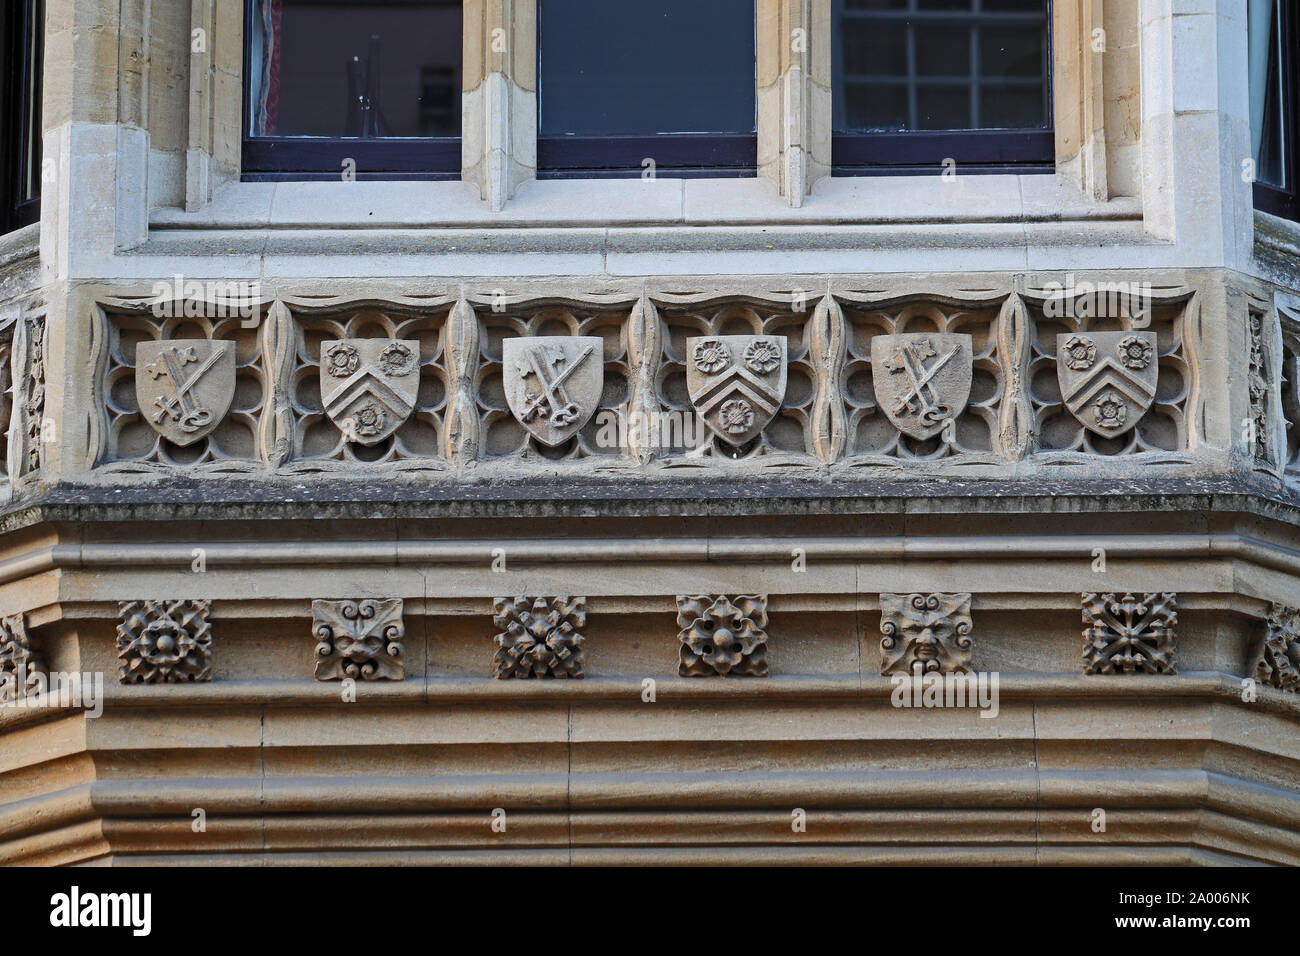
{"x": 1277, "y": 660}
{"x": 925, "y": 632}
{"x": 1129, "y": 635}
{"x": 359, "y": 640}
{"x": 722, "y": 636}
{"x": 539, "y": 637}
{"x": 165, "y": 642}
{"x": 20, "y": 664}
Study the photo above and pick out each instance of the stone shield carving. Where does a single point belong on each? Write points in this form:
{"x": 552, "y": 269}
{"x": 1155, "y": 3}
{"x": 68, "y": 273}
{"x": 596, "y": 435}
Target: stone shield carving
{"x": 1108, "y": 379}
{"x": 184, "y": 388}
{"x": 922, "y": 379}
{"x": 553, "y": 383}
{"x": 736, "y": 382}
{"x": 368, "y": 386}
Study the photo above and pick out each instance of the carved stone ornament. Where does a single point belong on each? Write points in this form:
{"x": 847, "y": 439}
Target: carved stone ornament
{"x": 540, "y": 637}
{"x": 926, "y": 632}
{"x": 553, "y": 383}
{"x": 1108, "y": 379}
{"x": 165, "y": 642}
{"x": 369, "y": 386}
{"x": 20, "y": 665}
{"x": 736, "y": 382}
{"x": 1277, "y": 663}
{"x": 722, "y": 636}
{"x": 1126, "y": 635}
{"x": 361, "y": 640}
{"x": 922, "y": 379}
{"x": 184, "y": 387}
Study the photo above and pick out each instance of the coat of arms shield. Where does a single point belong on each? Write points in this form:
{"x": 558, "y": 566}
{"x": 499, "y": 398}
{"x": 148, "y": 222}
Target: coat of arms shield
{"x": 553, "y": 383}
{"x": 184, "y": 387}
{"x": 1108, "y": 379}
{"x": 736, "y": 382}
{"x": 922, "y": 379}
{"x": 369, "y": 386}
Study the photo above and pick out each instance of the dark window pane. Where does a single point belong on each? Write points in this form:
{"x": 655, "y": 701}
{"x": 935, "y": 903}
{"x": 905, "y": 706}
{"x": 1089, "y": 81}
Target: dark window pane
{"x": 386, "y": 68}
{"x": 951, "y": 64}
{"x": 644, "y": 68}
{"x": 1270, "y": 111}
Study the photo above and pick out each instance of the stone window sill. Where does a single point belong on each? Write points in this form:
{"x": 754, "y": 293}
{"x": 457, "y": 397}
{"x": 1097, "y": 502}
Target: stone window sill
{"x": 885, "y": 200}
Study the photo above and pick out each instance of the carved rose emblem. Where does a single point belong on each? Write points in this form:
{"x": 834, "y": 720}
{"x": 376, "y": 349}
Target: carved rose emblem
{"x": 396, "y": 360}
{"x": 711, "y": 356}
{"x": 720, "y": 636}
{"x": 164, "y": 643}
{"x": 341, "y": 360}
{"x": 1110, "y": 411}
{"x": 762, "y": 356}
{"x": 737, "y": 416}
{"x": 1080, "y": 352}
{"x": 1135, "y": 352}
{"x": 369, "y": 420}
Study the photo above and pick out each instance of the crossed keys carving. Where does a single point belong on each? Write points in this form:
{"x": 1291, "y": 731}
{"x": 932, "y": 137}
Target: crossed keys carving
{"x": 183, "y": 408}
{"x": 922, "y": 399}
{"x": 554, "y": 401}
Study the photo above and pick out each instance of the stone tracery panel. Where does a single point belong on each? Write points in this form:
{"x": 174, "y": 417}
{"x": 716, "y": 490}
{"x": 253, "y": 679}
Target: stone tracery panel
{"x": 126, "y": 439}
{"x": 1167, "y": 425}
{"x": 503, "y": 435}
{"x": 789, "y": 431}
{"x": 975, "y": 428}
{"x": 322, "y": 443}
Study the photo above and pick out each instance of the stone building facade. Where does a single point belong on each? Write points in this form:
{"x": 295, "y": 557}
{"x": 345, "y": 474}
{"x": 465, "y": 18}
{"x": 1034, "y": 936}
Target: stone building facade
{"x": 370, "y": 574}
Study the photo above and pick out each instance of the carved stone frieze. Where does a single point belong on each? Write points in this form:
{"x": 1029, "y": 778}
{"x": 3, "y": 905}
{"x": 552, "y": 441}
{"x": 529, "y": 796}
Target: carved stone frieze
{"x": 539, "y": 637}
{"x": 20, "y": 664}
{"x": 164, "y": 642}
{"x": 1277, "y": 662}
{"x": 553, "y": 383}
{"x": 722, "y": 636}
{"x": 1128, "y": 635}
{"x": 926, "y": 632}
{"x": 922, "y": 379}
{"x": 1259, "y": 386}
{"x": 361, "y": 640}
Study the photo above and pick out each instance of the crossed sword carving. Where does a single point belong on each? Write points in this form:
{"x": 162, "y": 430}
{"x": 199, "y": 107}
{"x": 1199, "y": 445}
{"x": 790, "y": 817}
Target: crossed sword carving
{"x": 931, "y": 409}
{"x": 183, "y": 408}
{"x": 554, "y": 399}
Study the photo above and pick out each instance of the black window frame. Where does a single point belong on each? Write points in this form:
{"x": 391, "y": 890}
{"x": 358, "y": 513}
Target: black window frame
{"x": 1269, "y": 198}
{"x": 20, "y": 120}
{"x": 675, "y": 155}
{"x": 318, "y": 158}
{"x": 909, "y": 152}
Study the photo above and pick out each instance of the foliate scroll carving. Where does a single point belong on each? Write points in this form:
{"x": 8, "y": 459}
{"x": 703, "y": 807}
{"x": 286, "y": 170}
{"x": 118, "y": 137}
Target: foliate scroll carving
{"x": 722, "y": 636}
{"x": 1128, "y": 635}
{"x": 925, "y": 632}
{"x": 540, "y": 637}
{"x": 361, "y": 640}
{"x": 165, "y": 642}
{"x": 29, "y": 347}
{"x": 1277, "y": 662}
{"x": 20, "y": 664}
{"x": 971, "y": 382}
{"x": 1259, "y": 385}
{"x": 553, "y": 383}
